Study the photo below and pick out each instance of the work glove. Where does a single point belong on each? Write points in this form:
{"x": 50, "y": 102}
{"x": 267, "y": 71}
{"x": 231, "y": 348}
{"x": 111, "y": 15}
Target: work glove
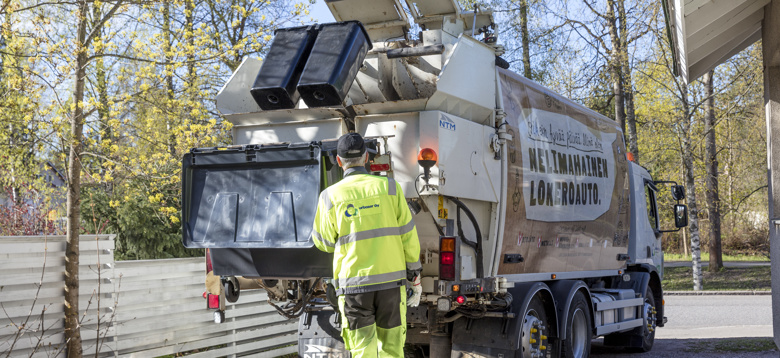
{"x": 414, "y": 293}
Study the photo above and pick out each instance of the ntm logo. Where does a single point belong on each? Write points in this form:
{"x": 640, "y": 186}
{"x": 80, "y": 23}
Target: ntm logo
{"x": 446, "y": 123}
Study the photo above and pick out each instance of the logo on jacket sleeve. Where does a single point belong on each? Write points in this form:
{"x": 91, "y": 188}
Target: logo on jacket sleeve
{"x": 351, "y": 211}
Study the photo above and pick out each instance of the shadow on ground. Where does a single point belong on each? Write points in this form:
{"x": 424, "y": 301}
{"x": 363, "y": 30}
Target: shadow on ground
{"x": 695, "y": 348}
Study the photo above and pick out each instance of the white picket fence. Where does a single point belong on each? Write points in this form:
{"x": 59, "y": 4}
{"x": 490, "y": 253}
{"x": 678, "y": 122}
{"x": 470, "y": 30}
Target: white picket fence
{"x": 131, "y": 308}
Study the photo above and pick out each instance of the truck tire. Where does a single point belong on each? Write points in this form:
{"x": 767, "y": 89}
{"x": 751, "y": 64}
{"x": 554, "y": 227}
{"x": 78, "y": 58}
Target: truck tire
{"x": 648, "y": 330}
{"x": 641, "y": 338}
{"x": 534, "y": 331}
{"x": 578, "y": 329}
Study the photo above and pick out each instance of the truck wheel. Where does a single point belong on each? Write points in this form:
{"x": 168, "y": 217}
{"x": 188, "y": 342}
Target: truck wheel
{"x": 533, "y": 336}
{"x": 639, "y": 339}
{"x": 647, "y": 332}
{"x": 232, "y": 290}
{"x": 578, "y": 329}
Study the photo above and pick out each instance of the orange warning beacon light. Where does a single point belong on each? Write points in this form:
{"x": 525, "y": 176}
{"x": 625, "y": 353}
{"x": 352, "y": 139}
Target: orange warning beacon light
{"x": 427, "y": 158}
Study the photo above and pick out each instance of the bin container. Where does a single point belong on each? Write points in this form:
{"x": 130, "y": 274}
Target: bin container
{"x": 335, "y": 59}
{"x": 276, "y": 84}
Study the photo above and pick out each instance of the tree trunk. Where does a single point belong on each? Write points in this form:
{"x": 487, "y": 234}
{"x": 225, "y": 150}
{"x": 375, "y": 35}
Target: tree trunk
{"x": 711, "y": 162}
{"x": 72, "y": 326}
{"x": 525, "y": 39}
{"x": 103, "y": 108}
{"x": 615, "y": 65}
{"x": 168, "y": 67}
{"x": 189, "y": 14}
{"x": 628, "y": 88}
{"x": 690, "y": 191}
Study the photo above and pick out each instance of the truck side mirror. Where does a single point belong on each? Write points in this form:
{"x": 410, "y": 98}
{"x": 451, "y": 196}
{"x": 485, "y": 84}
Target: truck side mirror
{"x": 680, "y": 216}
{"x": 678, "y": 192}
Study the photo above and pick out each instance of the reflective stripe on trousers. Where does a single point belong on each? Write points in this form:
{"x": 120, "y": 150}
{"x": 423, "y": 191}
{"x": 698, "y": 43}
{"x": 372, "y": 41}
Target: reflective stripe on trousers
{"x": 374, "y": 323}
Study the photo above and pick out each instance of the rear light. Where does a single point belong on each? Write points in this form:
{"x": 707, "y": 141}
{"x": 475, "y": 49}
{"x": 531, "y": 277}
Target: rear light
{"x": 447, "y": 258}
{"x": 448, "y": 244}
{"x": 461, "y": 300}
{"x": 209, "y": 267}
{"x": 380, "y": 167}
{"x": 447, "y": 272}
{"x": 213, "y": 301}
{"x": 447, "y": 254}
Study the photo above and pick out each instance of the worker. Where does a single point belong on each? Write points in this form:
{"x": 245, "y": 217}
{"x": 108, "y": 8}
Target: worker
{"x": 365, "y": 222}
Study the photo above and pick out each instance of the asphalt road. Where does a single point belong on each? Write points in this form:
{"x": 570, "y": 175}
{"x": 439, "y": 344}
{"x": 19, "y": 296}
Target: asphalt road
{"x": 700, "y": 326}
{"x": 727, "y": 263}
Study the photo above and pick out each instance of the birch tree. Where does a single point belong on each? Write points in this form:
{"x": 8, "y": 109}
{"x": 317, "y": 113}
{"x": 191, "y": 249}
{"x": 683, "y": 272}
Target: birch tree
{"x": 711, "y": 163}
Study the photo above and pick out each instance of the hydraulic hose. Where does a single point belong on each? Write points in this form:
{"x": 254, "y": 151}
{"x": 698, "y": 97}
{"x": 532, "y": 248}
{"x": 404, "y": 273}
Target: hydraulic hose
{"x": 476, "y": 245}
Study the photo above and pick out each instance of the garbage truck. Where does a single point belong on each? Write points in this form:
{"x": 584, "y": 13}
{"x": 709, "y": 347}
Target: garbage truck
{"x": 538, "y": 233}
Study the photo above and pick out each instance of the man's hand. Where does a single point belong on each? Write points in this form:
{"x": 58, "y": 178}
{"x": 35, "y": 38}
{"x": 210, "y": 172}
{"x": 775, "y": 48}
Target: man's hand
{"x": 414, "y": 299}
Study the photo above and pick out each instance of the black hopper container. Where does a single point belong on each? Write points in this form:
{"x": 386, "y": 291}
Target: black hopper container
{"x": 335, "y": 59}
{"x": 316, "y": 63}
{"x": 275, "y": 85}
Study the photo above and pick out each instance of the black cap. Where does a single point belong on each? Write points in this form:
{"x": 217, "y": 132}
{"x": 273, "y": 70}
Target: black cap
{"x": 351, "y": 145}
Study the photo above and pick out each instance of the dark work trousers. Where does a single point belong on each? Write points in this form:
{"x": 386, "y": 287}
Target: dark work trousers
{"x": 374, "y": 323}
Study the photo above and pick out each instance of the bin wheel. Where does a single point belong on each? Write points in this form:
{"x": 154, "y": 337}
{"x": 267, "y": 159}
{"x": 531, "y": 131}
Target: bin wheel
{"x": 219, "y": 316}
{"x": 232, "y": 290}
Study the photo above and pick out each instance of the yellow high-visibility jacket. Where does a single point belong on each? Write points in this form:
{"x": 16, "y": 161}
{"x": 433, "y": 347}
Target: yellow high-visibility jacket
{"x": 365, "y": 222}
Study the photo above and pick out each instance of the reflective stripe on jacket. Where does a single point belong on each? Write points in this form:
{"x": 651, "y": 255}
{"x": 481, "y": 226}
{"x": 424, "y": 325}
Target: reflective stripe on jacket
{"x": 365, "y": 222}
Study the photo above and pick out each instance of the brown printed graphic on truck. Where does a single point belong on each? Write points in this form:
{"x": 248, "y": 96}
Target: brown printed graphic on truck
{"x": 566, "y": 184}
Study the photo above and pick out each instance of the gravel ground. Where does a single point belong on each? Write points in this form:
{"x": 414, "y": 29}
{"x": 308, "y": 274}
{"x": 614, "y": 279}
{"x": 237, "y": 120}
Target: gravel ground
{"x": 695, "y": 348}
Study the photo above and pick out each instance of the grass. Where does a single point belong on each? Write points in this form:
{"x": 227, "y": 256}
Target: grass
{"x": 733, "y": 345}
{"x": 755, "y": 278}
{"x": 705, "y": 257}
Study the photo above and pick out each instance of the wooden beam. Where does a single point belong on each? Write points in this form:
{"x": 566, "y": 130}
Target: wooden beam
{"x": 729, "y": 28}
{"x": 723, "y": 53}
{"x": 771, "y": 27}
{"x": 716, "y": 47}
{"x": 693, "y": 5}
{"x": 714, "y": 15}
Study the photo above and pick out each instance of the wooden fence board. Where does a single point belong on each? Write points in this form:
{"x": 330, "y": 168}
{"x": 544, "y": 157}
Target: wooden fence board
{"x": 147, "y": 308}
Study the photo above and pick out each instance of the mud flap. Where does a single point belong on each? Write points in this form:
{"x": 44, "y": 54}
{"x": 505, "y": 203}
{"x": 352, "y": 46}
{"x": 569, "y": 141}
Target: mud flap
{"x": 319, "y": 335}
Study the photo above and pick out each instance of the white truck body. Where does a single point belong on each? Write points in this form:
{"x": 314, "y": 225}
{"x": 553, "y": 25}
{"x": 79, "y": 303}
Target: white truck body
{"x": 564, "y": 219}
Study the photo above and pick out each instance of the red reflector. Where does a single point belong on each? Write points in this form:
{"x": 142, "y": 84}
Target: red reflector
{"x": 380, "y": 167}
{"x": 209, "y": 267}
{"x": 461, "y": 299}
{"x": 213, "y": 301}
{"x": 206, "y": 295}
{"x": 447, "y": 272}
{"x": 447, "y": 258}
